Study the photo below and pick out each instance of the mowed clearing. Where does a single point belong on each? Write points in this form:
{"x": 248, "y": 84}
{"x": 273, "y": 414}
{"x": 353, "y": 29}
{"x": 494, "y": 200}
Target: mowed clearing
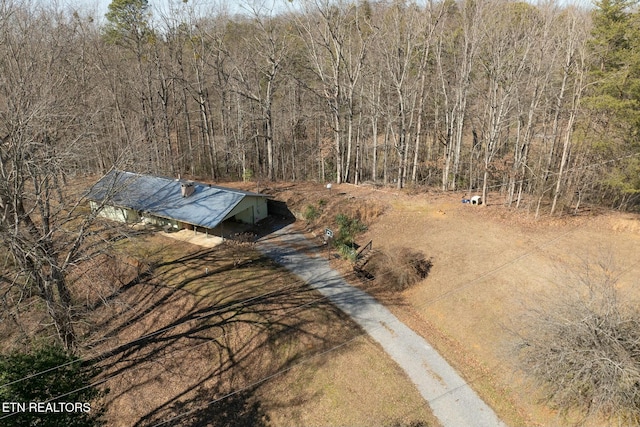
{"x": 489, "y": 264}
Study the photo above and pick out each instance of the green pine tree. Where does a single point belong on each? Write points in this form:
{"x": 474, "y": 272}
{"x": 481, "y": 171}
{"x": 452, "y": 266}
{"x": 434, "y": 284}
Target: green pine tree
{"x": 48, "y": 375}
{"x": 128, "y": 22}
{"x": 614, "y": 98}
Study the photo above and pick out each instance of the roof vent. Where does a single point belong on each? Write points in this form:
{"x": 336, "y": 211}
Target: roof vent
{"x": 187, "y": 189}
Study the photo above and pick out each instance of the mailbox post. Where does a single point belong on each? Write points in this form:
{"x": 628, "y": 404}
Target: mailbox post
{"x": 328, "y": 237}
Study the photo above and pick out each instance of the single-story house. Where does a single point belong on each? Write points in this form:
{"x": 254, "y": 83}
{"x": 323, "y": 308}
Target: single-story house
{"x": 175, "y": 203}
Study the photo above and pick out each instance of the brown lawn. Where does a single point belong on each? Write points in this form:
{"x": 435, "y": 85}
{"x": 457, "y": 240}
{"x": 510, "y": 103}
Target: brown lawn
{"x": 222, "y": 336}
{"x": 489, "y": 264}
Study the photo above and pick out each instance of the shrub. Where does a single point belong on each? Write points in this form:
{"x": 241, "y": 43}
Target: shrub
{"x": 348, "y": 229}
{"x": 582, "y": 345}
{"x": 346, "y": 252}
{"x": 311, "y": 213}
{"x": 399, "y": 268}
{"x": 344, "y": 240}
{"x": 48, "y": 374}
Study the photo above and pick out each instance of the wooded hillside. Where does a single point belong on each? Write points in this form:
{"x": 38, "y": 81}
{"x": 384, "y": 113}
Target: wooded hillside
{"x": 538, "y": 102}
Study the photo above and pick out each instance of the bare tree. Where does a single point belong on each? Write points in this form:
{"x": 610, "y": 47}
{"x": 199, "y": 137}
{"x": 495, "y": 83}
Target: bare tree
{"x": 456, "y": 52}
{"x": 129, "y": 31}
{"x": 257, "y": 71}
{"x": 532, "y": 91}
{"x": 400, "y": 44}
{"x": 504, "y": 59}
{"x": 323, "y": 33}
{"x": 576, "y": 64}
{"x": 433, "y": 17}
{"x": 43, "y": 132}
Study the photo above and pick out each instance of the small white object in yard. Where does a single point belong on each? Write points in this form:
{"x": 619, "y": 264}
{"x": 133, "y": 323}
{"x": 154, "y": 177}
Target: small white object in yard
{"x": 476, "y": 200}
{"x": 329, "y": 186}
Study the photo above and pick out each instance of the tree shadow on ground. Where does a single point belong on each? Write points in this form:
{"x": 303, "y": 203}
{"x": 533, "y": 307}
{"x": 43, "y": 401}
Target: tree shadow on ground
{"x": 203, "y": 325}
{"x": 241, "y": 409}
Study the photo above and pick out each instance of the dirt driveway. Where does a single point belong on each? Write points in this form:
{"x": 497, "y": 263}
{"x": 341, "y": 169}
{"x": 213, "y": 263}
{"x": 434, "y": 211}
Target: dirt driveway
{"x": 451, "y": 399}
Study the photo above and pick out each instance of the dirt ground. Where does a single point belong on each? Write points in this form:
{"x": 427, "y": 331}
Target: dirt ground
{"x": 489, "y": 264}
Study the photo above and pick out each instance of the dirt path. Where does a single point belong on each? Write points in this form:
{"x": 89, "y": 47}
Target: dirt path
{"x": 451, "y": 399}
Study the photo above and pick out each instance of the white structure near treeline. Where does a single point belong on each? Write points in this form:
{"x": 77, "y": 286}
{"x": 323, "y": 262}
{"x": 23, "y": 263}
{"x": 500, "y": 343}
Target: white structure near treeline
{"x": 178, "y": 204}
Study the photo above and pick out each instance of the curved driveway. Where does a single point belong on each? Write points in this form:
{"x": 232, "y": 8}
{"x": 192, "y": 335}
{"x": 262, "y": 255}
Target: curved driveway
{"x": 451, "y": 399}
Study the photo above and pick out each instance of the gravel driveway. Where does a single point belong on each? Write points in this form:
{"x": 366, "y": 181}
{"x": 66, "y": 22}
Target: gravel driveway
{"x": 451, "y": 399}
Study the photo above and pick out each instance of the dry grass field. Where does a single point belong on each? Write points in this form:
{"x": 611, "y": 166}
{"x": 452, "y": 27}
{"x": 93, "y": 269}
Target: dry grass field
{"x": 224, "y": 337}
{"x": 490, "y": 263}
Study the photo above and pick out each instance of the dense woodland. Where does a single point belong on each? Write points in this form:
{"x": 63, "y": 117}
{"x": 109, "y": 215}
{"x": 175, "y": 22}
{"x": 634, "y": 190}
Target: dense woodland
{"x": 537, "y": 102}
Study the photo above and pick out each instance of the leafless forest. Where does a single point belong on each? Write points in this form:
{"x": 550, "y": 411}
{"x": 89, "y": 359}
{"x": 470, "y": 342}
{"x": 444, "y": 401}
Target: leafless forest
{"x": 489, "y": 95}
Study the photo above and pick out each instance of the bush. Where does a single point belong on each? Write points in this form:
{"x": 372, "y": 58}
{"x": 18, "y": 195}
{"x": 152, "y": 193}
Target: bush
{"x": 46, "y": 374}
{"x": 399, "y": 268}
{"x": 348, "y": 229}
{"x": 311, "y": 213}
{"x": 582, "y": 345}
{"x": 347, "y": 252}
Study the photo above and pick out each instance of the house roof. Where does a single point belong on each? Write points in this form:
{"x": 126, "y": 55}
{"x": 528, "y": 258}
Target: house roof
{"x": 207, "y": 207}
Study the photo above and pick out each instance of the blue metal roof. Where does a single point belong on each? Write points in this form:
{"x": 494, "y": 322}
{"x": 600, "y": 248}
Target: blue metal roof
{"x": 207, "y": 207}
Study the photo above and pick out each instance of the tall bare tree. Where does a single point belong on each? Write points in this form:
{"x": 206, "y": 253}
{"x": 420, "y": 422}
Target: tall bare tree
{"x": 504, "y": 60}
{"x": 456, "y": 52}
{"x": 44, "y": 131}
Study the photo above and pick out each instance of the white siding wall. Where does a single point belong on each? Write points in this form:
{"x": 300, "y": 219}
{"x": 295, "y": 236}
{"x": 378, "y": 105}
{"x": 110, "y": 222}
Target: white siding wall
{"x": 250, "y": 210}
{"x": 261, "y": 208}
{"x": 115, "y": 213}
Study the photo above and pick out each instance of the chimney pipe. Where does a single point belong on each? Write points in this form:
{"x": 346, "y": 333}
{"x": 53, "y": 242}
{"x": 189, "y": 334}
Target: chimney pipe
{"x": 187, "y": 189}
